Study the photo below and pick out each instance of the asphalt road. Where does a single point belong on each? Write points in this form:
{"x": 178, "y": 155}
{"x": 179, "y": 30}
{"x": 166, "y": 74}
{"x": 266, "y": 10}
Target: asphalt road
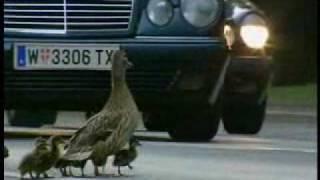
{"x": 286, "y": 149}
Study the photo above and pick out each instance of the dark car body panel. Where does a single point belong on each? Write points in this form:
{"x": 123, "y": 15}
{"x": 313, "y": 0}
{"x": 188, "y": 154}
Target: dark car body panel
{"x": 156, "y": 60}
{"x": 174, "y": 64}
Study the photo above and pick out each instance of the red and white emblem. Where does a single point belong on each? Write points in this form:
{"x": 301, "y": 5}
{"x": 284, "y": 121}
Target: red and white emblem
{"x": 45, "y": 55}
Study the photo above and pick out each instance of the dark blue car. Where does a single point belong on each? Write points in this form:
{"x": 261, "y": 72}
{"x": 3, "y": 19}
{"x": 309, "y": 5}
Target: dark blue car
{"x": 195, "y": 61}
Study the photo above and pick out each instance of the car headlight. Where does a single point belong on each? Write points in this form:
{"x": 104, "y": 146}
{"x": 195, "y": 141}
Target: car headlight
{"x": 254, "y": 31}
{"x": 200, "y": 13}
{"x": 159, "y": 11}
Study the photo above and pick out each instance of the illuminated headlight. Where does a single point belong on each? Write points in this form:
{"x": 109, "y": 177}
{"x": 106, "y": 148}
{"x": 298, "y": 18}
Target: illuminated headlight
{"x": 200, "y": 13}
{"x": 254, "y": 31}
{"x": 159, "y": 11}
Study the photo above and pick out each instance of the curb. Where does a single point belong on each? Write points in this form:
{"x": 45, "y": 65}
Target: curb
{"x": 18, "y": 132}
{"x": 291, "y": 113}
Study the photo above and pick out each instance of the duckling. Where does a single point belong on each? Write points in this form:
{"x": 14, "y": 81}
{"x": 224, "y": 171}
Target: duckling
{"x": 98, "y": 156}
{"x": 126, "y": 156}
{"x": 29, "y": 162}
{"x": 51, "y": 158}
{"x": 40, "y": 140}
{"x": 42, "y": 158}
{"x": 114, "y": 124}
{"x": 6, "y": 152}
{"x": 79, "y": 164}
{"x": 62, "y": 165}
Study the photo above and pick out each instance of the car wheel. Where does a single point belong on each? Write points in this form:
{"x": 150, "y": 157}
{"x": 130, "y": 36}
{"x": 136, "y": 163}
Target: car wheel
{"x": 32, "y": 118}
{"x": 243, "y": 118}
{"x": 195, "y": 125}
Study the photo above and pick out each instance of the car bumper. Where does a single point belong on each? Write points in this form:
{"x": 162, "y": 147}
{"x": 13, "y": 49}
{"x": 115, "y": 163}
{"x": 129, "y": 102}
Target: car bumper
{"x": 163, "y": 65}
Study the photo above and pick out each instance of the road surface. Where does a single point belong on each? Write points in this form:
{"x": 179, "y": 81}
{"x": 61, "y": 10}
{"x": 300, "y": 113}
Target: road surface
{"x": 286, "y": 149}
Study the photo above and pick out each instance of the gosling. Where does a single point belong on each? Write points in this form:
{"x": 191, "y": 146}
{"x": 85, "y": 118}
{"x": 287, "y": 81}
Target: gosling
{"x": 31, "y": 160}
{"x": 126, "y": 156}
{"x": 98, "y": 157}
{"x": 40, "y": 140}
{"x": 6, "y": 152}
{"x": 42, "y": 158}
{"x": 63, "y": 164}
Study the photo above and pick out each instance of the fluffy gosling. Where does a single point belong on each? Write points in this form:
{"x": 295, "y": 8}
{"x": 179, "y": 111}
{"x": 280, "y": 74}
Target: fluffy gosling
{"x": 6, "y": 152}
{"x": 30, "y": 161}
{"x": 42, "y": 158}
{"x": 62, "y": 164}
{"x": 98, "y": 157}
{"x": 126, "y": 156}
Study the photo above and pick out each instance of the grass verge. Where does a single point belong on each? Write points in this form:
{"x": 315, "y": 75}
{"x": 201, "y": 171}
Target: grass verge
{"x": 305, "y": 95}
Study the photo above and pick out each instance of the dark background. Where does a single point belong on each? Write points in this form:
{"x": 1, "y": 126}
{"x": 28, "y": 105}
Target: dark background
{"x": 294, "y": 39}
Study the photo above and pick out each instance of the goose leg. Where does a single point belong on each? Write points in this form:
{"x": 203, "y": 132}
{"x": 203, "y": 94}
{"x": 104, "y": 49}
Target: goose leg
{"x": 104, "y": 168}
{"x": 22, "y": 176}
{"x": 96, "y": 171}
{"x": 82, "y": 172}
{"x": 70, "y": 171}
{"x": 65, "y": 171}
{"x": 31, "y": 176}
{"x": 45, "y": 175}
{"x": 61, "y": 171}
{"x": 119, "y": 171}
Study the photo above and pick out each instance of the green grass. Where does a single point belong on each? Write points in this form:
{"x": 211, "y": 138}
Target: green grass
{"x": 305, "y": 95}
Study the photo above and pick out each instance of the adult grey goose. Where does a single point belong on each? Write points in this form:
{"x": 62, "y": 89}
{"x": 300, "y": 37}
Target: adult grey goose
{"x": 115, "y": 123}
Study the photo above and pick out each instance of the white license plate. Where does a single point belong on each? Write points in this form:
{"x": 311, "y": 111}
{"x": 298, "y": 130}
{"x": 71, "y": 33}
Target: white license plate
{"x": 63, "y": 56}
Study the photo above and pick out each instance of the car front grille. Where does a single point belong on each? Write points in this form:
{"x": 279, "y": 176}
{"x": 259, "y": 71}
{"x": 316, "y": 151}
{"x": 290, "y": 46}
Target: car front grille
{"x": 75, "y": 81}
{"x": 148, "y": 76}
{"x": 67, "y": 16}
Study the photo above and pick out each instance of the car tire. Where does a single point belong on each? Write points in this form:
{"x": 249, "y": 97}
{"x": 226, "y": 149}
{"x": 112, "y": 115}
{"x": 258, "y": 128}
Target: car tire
{"x": 244, "y": 118}
{"x": 195, "y": 125}
{"x": 28, "y": 118}
{"x": 155, "y": 122}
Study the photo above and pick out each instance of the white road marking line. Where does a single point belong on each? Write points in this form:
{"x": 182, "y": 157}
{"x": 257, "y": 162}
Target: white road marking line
{"x": 261, "y": 148}
{"x": 247, "y": 147}
{"x": 241, "y": 139}
{"x": 292, "y": 113}
{"x": 240, "y": 143}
